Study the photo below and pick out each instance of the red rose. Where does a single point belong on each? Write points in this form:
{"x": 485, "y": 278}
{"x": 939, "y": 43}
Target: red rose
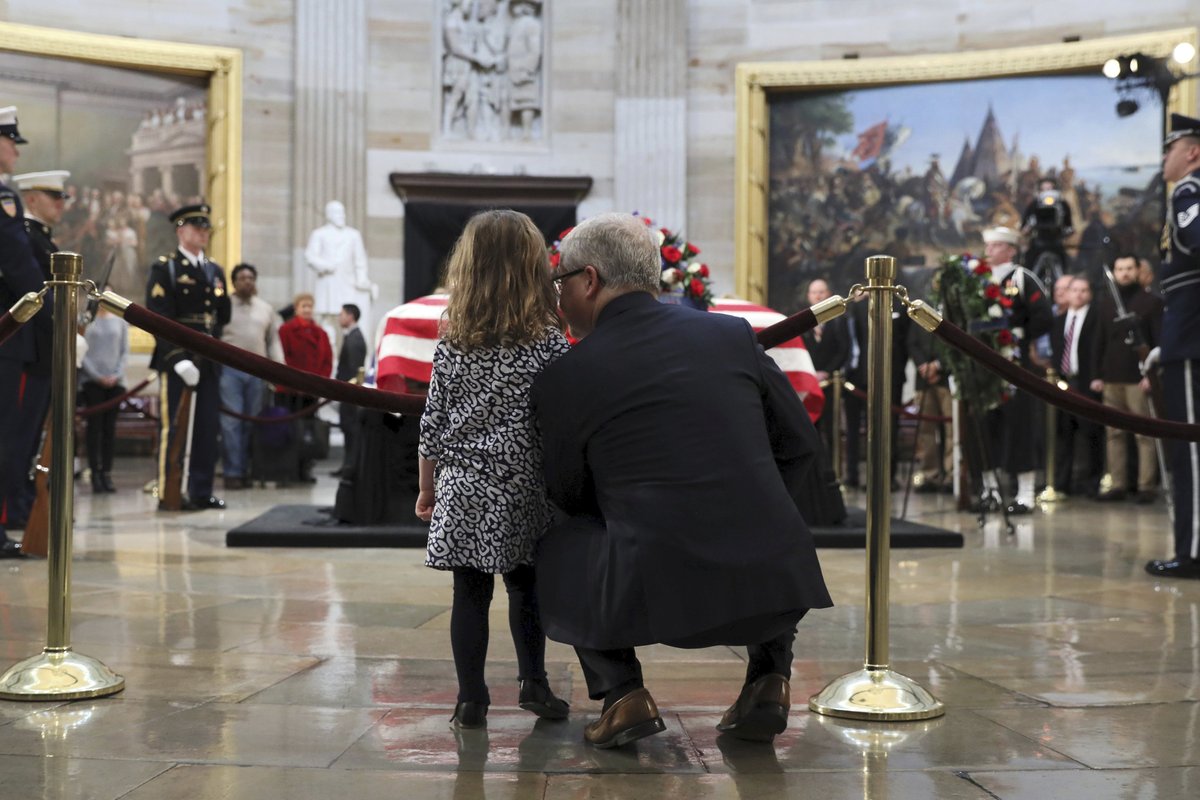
{"x": 671, "y": 254}
{"x": 982, "y": 270}
{"x": 1006, "y": 302}
{"x": 703, "y": 271}
{"x": 696, "y": 287}
{"x": 991, "y": 291}
{"x": 554, "y": 259}
{"x": 1004, "y": 337}
{"x": 563, "y": 235}
{"x": 692, "y": 249}
{"x": 648, "y": 221}
{"x": 664, "y": 231}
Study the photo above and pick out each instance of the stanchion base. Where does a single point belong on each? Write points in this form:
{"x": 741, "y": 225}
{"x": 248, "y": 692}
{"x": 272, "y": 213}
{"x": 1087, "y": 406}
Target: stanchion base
{"x": 876, "y": 694}
{"x": 59, "y": 675}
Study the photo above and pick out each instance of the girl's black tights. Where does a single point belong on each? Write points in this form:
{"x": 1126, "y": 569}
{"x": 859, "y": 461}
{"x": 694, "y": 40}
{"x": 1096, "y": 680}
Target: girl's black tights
{"x": 469, "y": 628}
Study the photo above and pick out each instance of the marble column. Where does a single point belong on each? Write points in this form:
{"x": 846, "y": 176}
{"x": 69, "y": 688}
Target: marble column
{"x": 330, "y": 155}
{"x": 650, "y": 158}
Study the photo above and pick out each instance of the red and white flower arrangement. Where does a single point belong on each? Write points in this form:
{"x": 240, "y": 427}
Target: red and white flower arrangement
{"x": 681, "y": 274}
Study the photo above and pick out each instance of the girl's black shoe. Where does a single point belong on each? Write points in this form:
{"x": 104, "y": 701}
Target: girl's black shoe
{"x": 536, "y": 697}
{"x": 468, "y": 715}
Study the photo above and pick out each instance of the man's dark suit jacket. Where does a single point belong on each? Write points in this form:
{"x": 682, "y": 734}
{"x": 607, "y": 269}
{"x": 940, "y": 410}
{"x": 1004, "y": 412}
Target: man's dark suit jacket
{"x": 672, "y": 441}
{"x": 352, "y": 355}
{"x": 1086, "y": 333}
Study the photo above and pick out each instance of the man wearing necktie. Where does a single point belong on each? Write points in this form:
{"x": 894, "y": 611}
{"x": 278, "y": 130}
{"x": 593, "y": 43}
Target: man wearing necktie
{"x": 1078, "y": 457}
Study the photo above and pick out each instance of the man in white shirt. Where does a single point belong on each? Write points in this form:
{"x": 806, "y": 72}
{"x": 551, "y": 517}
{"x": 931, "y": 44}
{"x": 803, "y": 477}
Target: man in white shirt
{"x": 253, "y": 326}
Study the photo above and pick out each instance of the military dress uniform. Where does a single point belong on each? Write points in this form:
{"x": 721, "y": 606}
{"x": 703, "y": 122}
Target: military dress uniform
{"x": 1180, "y": 357}
{"x": 19, "y": 274}
{"x": 194, "y": 295}
{"x": 36, "y": 399}
{"x": 1010, "y": 427}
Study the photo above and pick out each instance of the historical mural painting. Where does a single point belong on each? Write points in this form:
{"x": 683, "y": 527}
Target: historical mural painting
{"x": 918, "y": 171}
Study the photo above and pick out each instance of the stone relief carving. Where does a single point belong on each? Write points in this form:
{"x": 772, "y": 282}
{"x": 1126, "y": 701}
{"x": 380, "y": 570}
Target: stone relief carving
{"x": 492, "y": 69}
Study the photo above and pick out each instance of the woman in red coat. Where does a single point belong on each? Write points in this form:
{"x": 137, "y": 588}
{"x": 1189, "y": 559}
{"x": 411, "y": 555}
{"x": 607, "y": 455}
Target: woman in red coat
{"x": 305, "y": 347}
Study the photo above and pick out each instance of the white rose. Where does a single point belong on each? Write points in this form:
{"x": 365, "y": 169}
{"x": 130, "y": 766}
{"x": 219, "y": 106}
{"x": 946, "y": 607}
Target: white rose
{"x": 995, "y": 312}
{"x": 1008, "y": 352}
{"x": 1018, "y": 333}
{"x": 973, "y": 263}
{"x": 661, "y": 237}
{"x": 670, "y": 277}
{"x": 693, "y": 268}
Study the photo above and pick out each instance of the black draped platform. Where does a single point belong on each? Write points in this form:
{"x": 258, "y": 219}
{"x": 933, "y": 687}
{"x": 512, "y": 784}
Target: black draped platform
{"x": 312, "y": 526}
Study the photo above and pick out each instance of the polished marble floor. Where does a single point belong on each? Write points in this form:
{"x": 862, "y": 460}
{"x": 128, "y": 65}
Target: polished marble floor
{"x": 315, "y": 674}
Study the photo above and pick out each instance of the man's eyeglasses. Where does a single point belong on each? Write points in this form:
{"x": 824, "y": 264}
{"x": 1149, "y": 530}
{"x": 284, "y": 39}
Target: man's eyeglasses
{"x": 558, "y": 279}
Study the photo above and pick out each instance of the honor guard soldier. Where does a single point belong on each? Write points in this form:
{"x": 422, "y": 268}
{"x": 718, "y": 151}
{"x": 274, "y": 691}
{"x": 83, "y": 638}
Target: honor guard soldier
{"x": 1179, "y": 347}
{"x": 44, "y": 196}
{"x": 19, "y": 274}
{"x": 189, "y": 288}
{"x": 1011, "y": 425}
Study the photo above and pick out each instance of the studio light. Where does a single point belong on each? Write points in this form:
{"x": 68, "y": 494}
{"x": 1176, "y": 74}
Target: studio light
{"x": 1112, "y": 68}
{"x": 1183, "y": 53}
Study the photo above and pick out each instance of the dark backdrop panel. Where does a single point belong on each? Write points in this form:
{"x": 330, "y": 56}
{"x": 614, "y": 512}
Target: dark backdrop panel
{"x": 431, "y": 229}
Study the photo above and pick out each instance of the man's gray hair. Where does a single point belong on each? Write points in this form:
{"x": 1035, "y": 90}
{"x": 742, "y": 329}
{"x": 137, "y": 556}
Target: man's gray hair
{"x": 622, "y": 248}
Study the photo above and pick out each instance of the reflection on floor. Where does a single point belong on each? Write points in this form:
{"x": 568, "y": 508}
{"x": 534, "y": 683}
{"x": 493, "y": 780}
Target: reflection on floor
{"x": 311, "y": 674}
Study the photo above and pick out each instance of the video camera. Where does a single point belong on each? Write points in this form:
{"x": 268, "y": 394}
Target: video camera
{"x": 1048, "y": 214}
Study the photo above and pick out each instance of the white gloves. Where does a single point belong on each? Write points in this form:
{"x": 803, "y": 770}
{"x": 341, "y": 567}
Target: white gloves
{"x": 81, "y": 348}
{"x": 188, "y": 371}
{"x": 1151, "y": 359}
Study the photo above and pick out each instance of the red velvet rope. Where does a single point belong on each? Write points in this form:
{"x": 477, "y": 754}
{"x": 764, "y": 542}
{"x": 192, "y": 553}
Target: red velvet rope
{"x": 112, "y": 402}
{"x": 787, "y": 329}
{"x": 8, "y": 326}
{"x": 1067, "y": 399}
{"x": 904, "y": 412}
{"x": 279, "y": 374}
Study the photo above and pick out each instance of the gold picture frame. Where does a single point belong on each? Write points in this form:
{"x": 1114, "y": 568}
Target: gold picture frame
{"x": 755, "y": 82}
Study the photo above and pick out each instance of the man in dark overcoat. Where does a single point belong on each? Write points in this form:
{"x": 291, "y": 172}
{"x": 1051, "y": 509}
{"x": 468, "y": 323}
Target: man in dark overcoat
{"x": 671, "y": 444}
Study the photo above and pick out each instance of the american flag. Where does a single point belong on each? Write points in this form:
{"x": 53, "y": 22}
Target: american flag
{"x": 405, "y": 341}
{"x": 407, "y": 336}
{"x": 791, "y": 356}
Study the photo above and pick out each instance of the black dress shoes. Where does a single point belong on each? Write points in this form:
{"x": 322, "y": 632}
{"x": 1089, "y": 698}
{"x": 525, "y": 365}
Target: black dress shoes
{"x": 1145, "y": 498}
{"x": 1016, "y": 508}
{"x": 633, "y": 717}
{"x": 469, "y": 715}
{"x": 761, "y": 710}
{"x": 11, "y": 549}
{"x": 203, "y": 503}
{"x": 537, "y": 697}
{"x": 1175, "y": 568}
{"x": 1112, "y": 496}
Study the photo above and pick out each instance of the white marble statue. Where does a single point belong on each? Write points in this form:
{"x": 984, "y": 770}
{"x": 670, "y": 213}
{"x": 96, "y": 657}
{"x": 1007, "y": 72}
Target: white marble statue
{"x": 336, "y": 254}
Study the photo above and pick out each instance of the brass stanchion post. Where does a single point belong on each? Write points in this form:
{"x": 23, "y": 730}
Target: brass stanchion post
{"x": 58, "y": 673}
{"x": 1050, "y": 494}
{"x": 876, "y": 692}
{"x": 837, "y": 381}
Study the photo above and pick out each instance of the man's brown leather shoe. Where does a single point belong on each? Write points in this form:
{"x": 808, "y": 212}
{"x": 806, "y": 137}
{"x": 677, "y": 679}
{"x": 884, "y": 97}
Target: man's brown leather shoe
{"x": 761, "y": 710}
{"x": 632, "y": 717}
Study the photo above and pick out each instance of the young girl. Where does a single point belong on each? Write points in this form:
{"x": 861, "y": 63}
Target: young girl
{"x": 480, "y": 455}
